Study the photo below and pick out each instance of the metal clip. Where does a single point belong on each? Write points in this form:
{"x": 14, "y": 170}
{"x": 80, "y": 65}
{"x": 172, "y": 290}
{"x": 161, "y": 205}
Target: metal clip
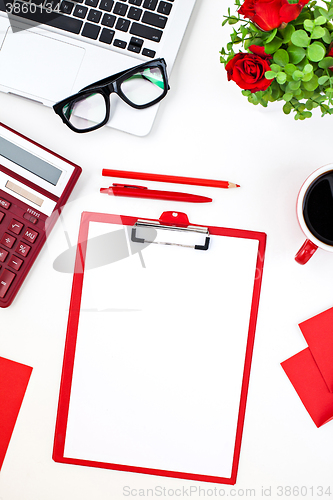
{"x": 159, "y": 225}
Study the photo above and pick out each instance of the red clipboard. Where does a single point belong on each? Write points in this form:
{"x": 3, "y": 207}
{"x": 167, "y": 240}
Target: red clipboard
{"x": 125, "y": 368}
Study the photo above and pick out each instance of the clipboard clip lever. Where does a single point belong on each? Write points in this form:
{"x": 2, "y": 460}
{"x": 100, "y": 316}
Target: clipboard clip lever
{"x": 172, "y": 221}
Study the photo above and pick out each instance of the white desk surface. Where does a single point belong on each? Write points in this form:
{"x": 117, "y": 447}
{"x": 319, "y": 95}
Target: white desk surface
{"x": 204, "y": 128}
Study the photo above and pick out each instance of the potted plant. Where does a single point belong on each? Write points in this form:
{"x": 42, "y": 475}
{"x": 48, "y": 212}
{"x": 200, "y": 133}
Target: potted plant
{"x": 281, "y": 51}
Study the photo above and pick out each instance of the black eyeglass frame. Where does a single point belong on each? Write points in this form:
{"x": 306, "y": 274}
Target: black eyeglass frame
{"x": 109, "y": 85}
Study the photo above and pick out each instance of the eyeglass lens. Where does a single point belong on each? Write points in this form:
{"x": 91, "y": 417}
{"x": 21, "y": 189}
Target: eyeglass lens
{"x": 85, "y": 112}
{"x": 144, "y": 86}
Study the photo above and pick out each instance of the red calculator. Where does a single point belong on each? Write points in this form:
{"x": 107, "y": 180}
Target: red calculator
{"x": 35, "y": 184}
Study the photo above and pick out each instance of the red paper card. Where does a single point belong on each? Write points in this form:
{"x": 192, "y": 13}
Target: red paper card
{"x": 318, "y": 333}
{"x": 309, "y": 384}
{"x": 14, "y": 378}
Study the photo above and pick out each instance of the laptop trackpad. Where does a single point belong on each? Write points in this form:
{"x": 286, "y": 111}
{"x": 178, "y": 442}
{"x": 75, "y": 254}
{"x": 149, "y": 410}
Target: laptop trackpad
{"x": 38, "y": 65}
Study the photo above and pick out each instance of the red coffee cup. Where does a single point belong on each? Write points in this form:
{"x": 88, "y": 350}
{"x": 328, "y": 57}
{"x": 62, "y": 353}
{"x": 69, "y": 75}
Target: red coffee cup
{"x": 318, "y": 205}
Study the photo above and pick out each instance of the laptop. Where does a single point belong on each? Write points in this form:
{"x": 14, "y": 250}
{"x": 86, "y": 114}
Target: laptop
{"x": 51, "y": 49}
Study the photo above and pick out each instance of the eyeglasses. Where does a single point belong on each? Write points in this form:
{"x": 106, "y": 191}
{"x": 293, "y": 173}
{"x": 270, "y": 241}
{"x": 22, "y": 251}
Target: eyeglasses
{"x": 140, "y": 87}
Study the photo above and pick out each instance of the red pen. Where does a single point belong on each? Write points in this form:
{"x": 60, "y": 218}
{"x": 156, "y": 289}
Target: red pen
{"x": 143, "y": 192}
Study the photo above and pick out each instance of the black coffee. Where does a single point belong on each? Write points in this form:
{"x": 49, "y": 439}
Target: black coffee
{"x": 318, "y": 208}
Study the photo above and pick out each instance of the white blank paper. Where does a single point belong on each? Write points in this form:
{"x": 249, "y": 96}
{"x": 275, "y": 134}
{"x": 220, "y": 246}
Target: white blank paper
{"x": 160, "y": 355}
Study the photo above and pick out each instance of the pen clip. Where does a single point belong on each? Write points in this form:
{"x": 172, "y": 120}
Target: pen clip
{"x": 132, "y": 186}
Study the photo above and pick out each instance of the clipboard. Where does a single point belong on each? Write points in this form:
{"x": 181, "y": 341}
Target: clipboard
{"x": 159, "y": 346}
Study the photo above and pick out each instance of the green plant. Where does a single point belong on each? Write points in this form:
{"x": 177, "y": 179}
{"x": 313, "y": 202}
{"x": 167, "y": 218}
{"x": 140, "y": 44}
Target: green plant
{"x": 301, "y": 61}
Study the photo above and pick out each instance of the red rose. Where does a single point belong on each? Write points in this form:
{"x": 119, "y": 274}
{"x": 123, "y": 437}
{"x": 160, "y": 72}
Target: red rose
{"x": 248, "y": 70}
{"x": 270, "y": 14}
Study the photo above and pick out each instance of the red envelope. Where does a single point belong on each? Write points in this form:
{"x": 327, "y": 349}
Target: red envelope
{"x": 309, "y": 384}
{"x": 14, "y": 378}
{"x": 318, "y": 333}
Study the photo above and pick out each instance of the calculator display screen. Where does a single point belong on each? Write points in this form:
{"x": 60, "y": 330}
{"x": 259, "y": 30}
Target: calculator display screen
{"x": 29, "y": 162}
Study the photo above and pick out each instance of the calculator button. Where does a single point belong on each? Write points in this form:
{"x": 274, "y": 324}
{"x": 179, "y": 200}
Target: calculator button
{"x": 3, "y": 255}
{"x": 15, "y": 263}
{"x": 23, "y": 249}
{"x": 30, "y": 235}
{"x": 7, "y": 240}
{"x": 15, "y": 226}
{"x": 6, "y": 278}
{"x": 1, "y": 216}
{"x": 4, "y": 204}
{"x": 30, "y": 218}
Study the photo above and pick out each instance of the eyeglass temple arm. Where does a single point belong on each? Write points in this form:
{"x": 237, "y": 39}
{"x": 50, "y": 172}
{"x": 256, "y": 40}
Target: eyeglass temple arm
{"x": 109, "y": 79}
{"x": 150, "y": 79}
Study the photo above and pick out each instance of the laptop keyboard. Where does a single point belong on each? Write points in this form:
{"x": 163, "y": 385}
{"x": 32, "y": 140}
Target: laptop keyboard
{"x": 107, "y": 21}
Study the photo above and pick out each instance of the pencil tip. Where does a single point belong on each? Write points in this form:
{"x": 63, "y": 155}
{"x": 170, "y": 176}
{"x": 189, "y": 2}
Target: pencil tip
{"x": 233, "y": 185}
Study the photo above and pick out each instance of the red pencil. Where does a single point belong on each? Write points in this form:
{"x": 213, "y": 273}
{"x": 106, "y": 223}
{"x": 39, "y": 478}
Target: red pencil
{"x": 168, "y": 178}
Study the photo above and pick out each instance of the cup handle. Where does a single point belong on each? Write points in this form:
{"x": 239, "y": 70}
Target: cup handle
{"x": 305, "y": 252}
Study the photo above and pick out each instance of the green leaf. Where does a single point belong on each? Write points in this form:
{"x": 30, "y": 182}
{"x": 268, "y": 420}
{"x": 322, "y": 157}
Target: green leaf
{"x": 309, "y": 105}
{"x": 307, "y": 77}
{"x": 287, "y": 108}
{"x": 246, "y": 92}
{"x": 308, "y": 68}
{"x": 300, "y": 38}
{"x": 323, "y": 79}
{"x": 308, "y": 25}
{"x": 270, "y": 75}
{"x": 233, "y": 20}
{"x": 324, "y": 13}
{"x": 320, "y": 20}
{"x": 288, "y": 96}
{"x": 281, "y": 78}
{"x": 253, "y": 99}
{"x": 307, "y": 94}
{"x": 263, "y": 102}
{"x": 272, "y": 35}
{"x": 244, "y": 30}
{"x": 287, "y": 32}
{"x": 318, "y": 32}
{"x": 273, "y": 46}
{"x": 293, "y": 85}
{"x": 327, "y": 37}
{"x": 289, "y": 69}
{"x": 324, "y": 109}
{"x": 281, "y": 57}
{"x": 275, "y": 90}
{"x": 275, "y": 67}
{"x": 297, "y": 75}
{"x": 312, "y": 84}
{"x": 296, "y": 54}
{"x": 326, "y": 62}
{"x": 315, "y": 52}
